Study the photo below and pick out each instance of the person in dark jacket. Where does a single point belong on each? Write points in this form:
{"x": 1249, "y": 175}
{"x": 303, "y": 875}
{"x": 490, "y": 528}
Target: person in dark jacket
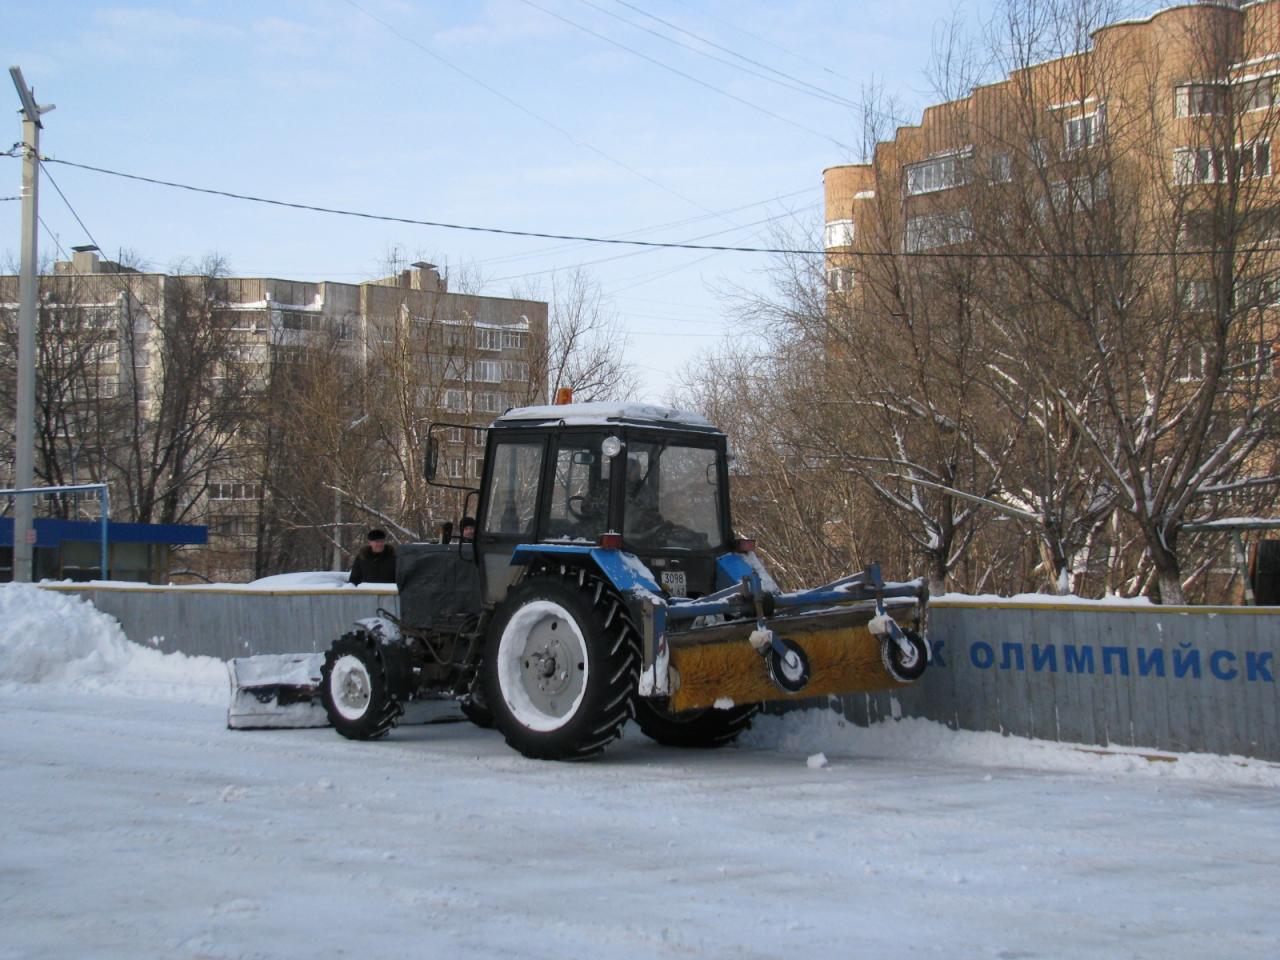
{"x": 376, "y": 562}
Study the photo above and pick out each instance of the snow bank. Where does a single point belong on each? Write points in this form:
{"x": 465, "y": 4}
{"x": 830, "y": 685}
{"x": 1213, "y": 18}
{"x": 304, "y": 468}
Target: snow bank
{"x": 991, "y": 599}
{"x": 811, "y": 732}
{"x": 61, "y": 640}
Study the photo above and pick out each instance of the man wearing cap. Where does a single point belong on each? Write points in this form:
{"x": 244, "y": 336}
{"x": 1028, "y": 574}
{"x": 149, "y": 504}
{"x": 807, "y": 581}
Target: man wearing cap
{"x": 376, "y": 562}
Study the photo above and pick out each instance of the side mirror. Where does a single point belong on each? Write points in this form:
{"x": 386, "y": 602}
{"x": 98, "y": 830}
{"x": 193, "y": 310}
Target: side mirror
{"x": 432, "y": 458}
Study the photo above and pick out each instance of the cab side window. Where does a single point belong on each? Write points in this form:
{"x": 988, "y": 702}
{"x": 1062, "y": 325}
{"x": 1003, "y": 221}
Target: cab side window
{"x": 579, "y": 502}
{"x": 513, "y": 494}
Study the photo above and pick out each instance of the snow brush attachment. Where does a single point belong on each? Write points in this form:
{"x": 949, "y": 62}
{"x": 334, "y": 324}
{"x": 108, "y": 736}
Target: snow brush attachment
{"x": 852, "y": 636}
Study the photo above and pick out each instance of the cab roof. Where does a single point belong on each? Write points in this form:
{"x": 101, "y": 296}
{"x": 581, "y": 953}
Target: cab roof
{"x": 606, "y": 414}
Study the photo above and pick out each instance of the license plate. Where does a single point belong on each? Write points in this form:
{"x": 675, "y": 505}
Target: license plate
{"x": 673, "y": 582}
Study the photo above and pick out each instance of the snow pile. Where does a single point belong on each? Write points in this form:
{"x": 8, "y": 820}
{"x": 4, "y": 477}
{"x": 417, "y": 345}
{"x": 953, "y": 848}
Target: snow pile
{"x": 811, "y": 731}
{"x": 1054, "y": 599}
{"x": 56, "y": 639}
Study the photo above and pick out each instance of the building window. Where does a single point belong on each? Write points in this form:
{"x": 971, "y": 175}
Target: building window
{"x": 232, "y": 525}
{"x": 513, "y": 339}
{"x": 838, "y": 233}
{"x": 299, "y": 320}
{"x": 490, "y": 402}
{"x": 1195, "y": 294}
{"x": 840, "y": 279}
{"x": 1256, "y": 292}
{"x": 455, "y": 368}
{"x": 1199, "y": 100}
{"x": 938, "y": 230}
{"x": 515, "y": 370}
{"x": 453, "y": 468}
{"x": 475, "y": 466}
{"x": 234, "y": 490}
{"x": 1190, "y": 366}
{"x": 1215, "y": 165}
{"x": 1086, "y": 130}
{"x": 1001, "y": 168}
{"x": 488, "y": 339}
{"x": 1080, "y": 193}
{"x": 455, "y": 400}
{"x": 1258, "y": 94}
{"x": 488, "y": 371}
{"x": 939, "y": 173}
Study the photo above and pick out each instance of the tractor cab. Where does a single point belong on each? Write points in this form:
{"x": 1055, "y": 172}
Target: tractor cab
{"x": 649, "y": 480}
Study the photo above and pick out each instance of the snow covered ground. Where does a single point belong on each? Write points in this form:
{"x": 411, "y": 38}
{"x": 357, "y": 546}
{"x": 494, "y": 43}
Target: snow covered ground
{"x": 135, "y": 825}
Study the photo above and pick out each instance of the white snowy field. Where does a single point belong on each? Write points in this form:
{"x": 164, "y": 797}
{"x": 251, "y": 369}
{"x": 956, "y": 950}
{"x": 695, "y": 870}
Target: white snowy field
{"x": 135, "y": 825}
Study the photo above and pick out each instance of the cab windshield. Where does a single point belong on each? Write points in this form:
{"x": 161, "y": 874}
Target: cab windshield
{"x": 671, "y": 497}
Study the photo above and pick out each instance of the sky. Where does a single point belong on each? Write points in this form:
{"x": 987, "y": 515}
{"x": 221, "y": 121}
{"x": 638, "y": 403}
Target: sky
{"x": 601, "y": 118}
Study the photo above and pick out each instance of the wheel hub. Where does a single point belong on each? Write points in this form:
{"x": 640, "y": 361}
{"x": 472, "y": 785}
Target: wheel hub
{"x": 545, "y": 679}
{"x": 350, "y": 687}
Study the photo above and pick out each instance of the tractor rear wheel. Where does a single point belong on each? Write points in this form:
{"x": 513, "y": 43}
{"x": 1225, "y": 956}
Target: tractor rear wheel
{"x": 357, "y": 690}
{"x": 692, "y": 728}
{"x": 561, "y": 665}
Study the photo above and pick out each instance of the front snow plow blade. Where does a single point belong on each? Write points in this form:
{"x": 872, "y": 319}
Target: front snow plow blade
{"x": 719, "y": 662}
{"x": 276, "y": 691}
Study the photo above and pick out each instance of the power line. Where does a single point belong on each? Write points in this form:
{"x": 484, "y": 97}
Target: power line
{"x": 68, "y": 203}
{"x": 314, "y": 208}
{"x": 665, "y": 245}
{"x": 52, "y": 236}
{"x": 629, "y": 253}
{"x": 688, "y": 76}
{"x": 688, "y": 221}
{"x": 788, "y": 81}
{"x": 770, "y": 43}
{"x": 525, "y": 110}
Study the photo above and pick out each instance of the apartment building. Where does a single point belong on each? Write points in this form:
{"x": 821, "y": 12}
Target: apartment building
{"x": 1121, "y": 188}
{"x": 117, "y": 339}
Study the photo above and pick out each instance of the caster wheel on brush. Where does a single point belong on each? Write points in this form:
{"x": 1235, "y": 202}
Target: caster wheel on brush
{"x": 902, "y": 666}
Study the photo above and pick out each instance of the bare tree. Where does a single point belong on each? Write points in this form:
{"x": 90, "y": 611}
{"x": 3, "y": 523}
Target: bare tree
{"x": 585, "y": 348}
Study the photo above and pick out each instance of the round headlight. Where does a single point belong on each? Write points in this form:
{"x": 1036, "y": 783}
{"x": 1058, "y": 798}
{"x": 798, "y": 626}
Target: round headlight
{"x": 611, "y": 446}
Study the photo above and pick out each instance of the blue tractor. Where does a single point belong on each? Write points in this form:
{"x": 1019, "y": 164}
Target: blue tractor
{"x": 604, "y": 583}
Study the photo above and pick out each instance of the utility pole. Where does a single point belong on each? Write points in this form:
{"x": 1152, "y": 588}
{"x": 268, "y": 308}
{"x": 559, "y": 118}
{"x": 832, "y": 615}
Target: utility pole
{"x": 25, "y": 425}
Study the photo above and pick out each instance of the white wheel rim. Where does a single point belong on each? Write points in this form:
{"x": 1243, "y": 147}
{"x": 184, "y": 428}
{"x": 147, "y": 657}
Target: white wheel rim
{"x": 542, "y": 666}
{"x": 350, "y": 687}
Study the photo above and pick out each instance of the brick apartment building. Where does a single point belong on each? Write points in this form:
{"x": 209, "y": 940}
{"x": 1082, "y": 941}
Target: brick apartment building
{"x": 1154, "y": 137}
{"x": 455, "y": 357}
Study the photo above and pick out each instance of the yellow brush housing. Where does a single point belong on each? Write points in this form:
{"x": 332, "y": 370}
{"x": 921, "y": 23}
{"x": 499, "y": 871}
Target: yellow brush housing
{"x": 719, "y": 662}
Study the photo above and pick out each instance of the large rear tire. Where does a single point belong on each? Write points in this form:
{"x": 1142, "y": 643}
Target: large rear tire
{"x": 692, "y": 728}
{"x": 561, "y": 665}
{"x": 356, "y": 688}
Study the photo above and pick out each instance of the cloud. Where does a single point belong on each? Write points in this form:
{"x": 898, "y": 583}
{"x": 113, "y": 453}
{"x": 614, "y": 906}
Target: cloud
{"x": 501, "y": 23}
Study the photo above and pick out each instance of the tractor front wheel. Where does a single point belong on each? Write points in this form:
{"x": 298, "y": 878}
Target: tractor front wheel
{"x": 356, "y": 688}
{"x": 561, "y": 665}
{"x": 705, "y": 728}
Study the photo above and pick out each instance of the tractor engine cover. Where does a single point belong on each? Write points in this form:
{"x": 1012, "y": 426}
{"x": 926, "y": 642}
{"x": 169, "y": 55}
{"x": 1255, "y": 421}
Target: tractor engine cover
{"x": 439, "y": 584}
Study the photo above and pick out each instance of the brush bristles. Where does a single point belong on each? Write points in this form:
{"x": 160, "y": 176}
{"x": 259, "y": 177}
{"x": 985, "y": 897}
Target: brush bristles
{"x": 840, "y": 661}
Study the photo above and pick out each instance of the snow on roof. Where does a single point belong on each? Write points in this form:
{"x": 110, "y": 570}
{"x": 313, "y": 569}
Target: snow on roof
{"x": 584, "y": 414}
